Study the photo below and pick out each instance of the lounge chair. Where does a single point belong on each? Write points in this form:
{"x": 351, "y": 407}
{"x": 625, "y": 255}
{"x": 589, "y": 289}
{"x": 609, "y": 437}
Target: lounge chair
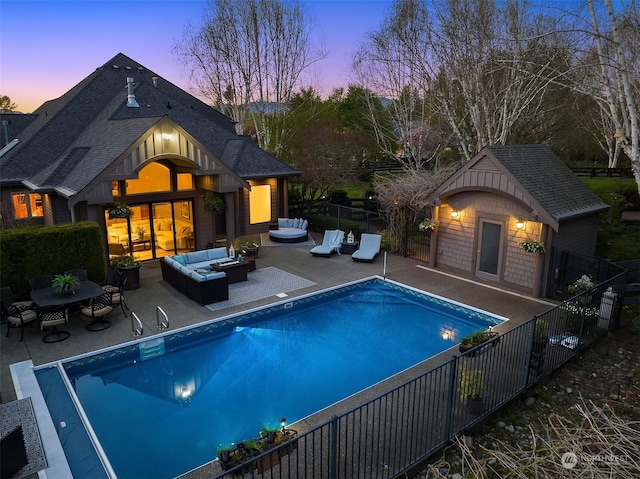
{"x": 369, "y": 248}
{"x": 331, "y": 242}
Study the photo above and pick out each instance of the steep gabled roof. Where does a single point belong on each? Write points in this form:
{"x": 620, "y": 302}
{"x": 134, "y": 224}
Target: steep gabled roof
{"x": 72, "y": 139}
{"x": 532, "y": 175}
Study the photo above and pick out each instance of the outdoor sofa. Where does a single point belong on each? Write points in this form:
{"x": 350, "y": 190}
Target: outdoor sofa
{"x": 290, "y": 231}
{"x": 191, "y": 274}
{"x": 369, "y": 248}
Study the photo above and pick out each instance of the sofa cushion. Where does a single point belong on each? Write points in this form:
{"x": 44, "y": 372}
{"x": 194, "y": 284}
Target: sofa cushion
{"x": 217, "y": 253}
{"x": 196, "y": 256}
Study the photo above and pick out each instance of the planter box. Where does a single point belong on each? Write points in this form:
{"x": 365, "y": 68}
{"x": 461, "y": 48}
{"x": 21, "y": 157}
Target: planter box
{"x": 481, "y": 347}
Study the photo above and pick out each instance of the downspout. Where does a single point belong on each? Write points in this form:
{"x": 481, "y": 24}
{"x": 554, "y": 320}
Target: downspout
{"x": 542, "y": 262}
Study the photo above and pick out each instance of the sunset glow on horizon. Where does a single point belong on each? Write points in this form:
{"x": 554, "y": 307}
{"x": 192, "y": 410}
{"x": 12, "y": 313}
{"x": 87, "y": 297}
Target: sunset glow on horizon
{"x": 47, "y": 47}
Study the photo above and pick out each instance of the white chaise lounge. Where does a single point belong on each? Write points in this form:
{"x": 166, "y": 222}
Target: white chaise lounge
{"x": 369, "y": 248}
{"x": 331, "y": 242}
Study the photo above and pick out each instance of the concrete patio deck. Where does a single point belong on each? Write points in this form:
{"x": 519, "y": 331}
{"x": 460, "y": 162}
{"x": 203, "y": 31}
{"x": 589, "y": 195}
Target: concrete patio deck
{"x": 325, "y": 272}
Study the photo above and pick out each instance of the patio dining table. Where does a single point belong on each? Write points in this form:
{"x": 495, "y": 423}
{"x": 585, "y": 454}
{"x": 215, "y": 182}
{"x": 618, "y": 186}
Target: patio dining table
{"x": 48, "y": 297}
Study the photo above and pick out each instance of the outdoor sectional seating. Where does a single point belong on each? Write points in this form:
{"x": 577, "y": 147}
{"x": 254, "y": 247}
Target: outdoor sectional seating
{"x": 290, "y": 231}
{"x": 191, "y": 274}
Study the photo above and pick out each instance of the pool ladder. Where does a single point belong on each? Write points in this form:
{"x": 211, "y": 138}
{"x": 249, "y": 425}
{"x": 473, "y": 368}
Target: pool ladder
{"x": 162, "y": 322}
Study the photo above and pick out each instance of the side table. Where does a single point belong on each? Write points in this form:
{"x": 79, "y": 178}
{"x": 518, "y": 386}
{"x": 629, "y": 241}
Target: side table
{"x": 349, "y": 248}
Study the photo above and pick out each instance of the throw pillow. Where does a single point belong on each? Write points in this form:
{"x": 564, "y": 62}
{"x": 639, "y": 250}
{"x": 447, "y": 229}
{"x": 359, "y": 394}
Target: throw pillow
{"x": 180, "y": 259}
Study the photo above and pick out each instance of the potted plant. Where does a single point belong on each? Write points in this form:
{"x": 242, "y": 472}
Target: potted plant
{"x": 213, "y": 203}
{"x": 118, "y": 210}
{"x": 250, "y": 248}
{"x": 477, "y": 338}
{"x": 224, "y": 452}
{"x": 270, "y": 433}
{"x": 65, "y": 284}
{"x": 234, "y": 248}
{"x": 582, "y": 284}
{"x": 533, "y": 246}
{"x": 472, "y": 388}
{"x": 140, "y": 232}
{"x": 540, "y": 335}
{"x": 428, "y": 225}
{"x": 129, "y": 268}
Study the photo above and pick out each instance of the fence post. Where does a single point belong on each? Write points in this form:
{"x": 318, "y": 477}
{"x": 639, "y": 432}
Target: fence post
{"x": 333, "y": 448}
{"x": 452, "y": 394}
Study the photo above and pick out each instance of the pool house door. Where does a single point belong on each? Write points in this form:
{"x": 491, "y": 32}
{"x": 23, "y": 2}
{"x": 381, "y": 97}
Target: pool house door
{"x": 489, "y": 252}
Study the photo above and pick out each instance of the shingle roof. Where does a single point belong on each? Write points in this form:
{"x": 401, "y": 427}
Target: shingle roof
{"x": 547, "y": 179}
{"x": 530, "y": 173}
{"x": 72, "y": 139}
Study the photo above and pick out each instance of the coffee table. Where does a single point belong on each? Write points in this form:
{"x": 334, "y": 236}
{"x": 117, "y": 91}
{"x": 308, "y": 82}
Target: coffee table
{"x": 237, "y": 270}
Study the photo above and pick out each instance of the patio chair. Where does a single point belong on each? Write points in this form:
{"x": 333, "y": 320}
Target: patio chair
{"x": 17, "y": 317}
{"x": 114, "y": 283}
{"x": 7, "y": 296}
{"x": 369, "y": 248}
{"x": 331, "y": 242}
{"x": 40, "y": 282}
{"x": 117, "y": 249}
{"x": 98, "y": 308}
{"x": 51, "y": 317}
{"x": 79, "y": 273}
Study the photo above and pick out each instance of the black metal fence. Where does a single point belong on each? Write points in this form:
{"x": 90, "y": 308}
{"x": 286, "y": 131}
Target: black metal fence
{"x": 365, "y": 218}
{"x": 395, "y": 431}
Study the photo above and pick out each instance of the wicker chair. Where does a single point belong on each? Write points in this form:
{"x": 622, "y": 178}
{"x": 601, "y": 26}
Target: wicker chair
{"x": 114, "y": 283}
{"x": 17, "y": 317}
{"x": 98, "y": 308}
{"x": 40, "y": 282}
{"x": 51, "y": 317}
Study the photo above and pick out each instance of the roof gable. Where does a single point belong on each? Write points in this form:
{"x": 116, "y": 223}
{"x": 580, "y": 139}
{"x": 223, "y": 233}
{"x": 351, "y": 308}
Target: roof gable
{"x": 530, "y": 174}
{"x": 93, "y": 117}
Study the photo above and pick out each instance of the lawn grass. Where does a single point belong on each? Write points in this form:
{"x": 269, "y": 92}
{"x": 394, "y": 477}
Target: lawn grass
{"x": 617, "y": 241}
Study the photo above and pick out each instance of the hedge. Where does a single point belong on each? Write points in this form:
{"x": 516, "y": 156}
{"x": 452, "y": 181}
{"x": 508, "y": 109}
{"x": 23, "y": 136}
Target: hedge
{"x": 34, "y": 250}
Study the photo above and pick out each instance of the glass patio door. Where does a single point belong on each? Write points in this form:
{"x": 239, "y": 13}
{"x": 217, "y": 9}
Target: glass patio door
{"x": 489, "y": 249}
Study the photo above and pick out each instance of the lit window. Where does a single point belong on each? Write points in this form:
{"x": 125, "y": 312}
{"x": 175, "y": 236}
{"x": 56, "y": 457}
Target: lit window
{"x": 153, "y": 178}
{"x": 185, "y": 181}
{"x": 27, "y": 205}
{"x": 260, "y": 204}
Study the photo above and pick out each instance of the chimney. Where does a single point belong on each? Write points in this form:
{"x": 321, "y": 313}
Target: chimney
{"x": 131, "y": 98}
{"x": 155, "y": 82}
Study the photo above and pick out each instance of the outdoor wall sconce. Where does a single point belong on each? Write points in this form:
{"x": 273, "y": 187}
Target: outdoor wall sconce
{"x": 166, "y": 136}
{"x": 520, "y": 224}
{"x": 455, "y": 214}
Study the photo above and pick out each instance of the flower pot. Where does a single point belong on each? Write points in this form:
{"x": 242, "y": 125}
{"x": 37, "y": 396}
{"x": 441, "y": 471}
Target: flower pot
{"x": 132, "y": 275}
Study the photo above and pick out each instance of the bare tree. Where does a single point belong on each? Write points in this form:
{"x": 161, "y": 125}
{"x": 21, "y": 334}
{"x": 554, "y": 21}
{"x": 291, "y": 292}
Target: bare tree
{"x": 247, "y": 58}
{"x": 471, "y": 64}
{"x": 402, "y": 197}
{"x": 616, "y": 37}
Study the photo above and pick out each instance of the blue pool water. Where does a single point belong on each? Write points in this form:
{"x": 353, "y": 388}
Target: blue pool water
{"x": 162, "y": 407}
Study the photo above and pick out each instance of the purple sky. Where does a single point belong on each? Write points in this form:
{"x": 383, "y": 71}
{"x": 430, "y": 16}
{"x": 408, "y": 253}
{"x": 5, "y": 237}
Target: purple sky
{"x": 46, "y": 47}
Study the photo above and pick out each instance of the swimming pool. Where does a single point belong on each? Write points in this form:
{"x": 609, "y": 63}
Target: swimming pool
{"x": 161, "y": 407}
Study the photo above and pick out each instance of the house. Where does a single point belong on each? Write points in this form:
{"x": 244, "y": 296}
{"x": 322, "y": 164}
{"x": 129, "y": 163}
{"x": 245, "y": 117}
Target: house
{"x": 127, "y": 136}
{"x": 502, "y": 197}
